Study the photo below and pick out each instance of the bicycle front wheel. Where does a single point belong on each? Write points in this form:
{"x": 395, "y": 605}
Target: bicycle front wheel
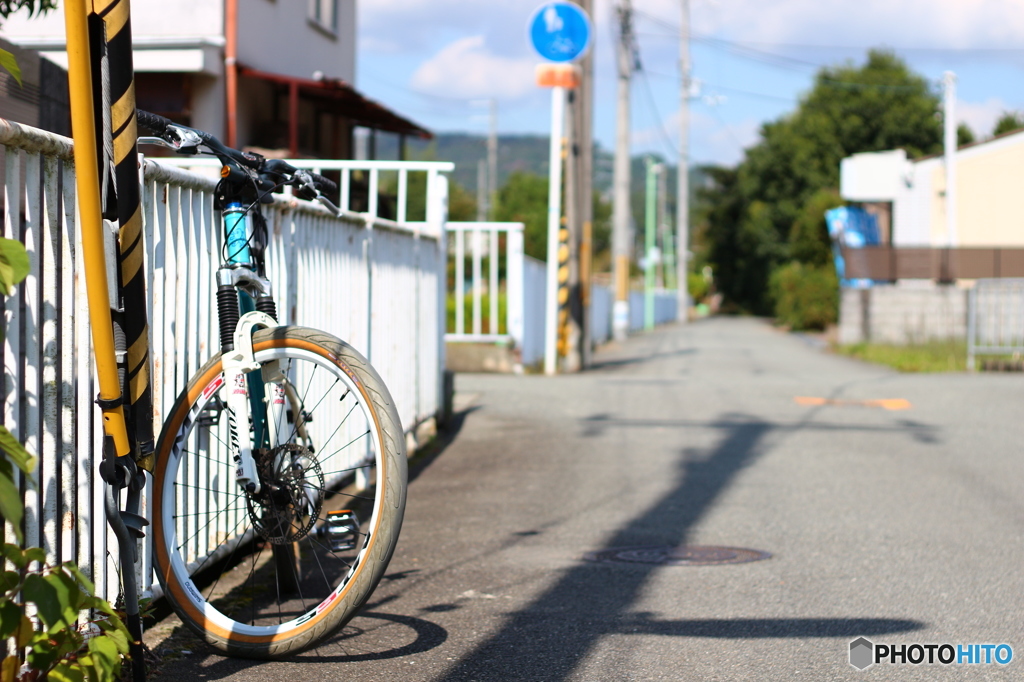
{"x": 271, "y": 574}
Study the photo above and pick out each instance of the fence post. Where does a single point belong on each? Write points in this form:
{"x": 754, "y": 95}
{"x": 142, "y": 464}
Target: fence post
{"x": 437, "y": 218}
{"x": 972, "y": 328}
{"x": 514, "y": 287}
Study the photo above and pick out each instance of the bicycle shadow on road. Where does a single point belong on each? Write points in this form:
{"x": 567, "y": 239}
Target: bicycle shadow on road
{"x": 394, "y": 636}
{"x": 548, "y": 638}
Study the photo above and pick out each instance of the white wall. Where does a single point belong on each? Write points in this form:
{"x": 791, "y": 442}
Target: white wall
{"x": 167, "y": 21}
{"x": 279, "y": 37}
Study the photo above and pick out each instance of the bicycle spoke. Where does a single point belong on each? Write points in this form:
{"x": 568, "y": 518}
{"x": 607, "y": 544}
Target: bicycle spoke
{"x": 338, "y": 427}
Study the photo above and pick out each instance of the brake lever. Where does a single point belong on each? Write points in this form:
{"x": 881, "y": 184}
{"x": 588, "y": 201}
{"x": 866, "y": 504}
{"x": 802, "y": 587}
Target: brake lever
{"x": 156, "y": 141}
{"x": 329, "y": 204}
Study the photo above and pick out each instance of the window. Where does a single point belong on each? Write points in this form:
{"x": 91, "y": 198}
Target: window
{"x": 324, "y": 13}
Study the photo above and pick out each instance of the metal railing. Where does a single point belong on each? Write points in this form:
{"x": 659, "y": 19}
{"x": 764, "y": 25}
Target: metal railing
{"x": 377, "y": 283}
{"x": 486, "y": 244}
{"x": 995, "y": 319}
{"x": 364, "y": 187}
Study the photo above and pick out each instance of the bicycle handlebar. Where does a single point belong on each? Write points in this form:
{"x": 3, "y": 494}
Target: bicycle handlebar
{"x": 171, "y": 132}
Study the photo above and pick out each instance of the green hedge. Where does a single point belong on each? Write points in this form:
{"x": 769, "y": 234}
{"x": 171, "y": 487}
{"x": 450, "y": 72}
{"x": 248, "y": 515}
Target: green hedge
{"x": 805, "y": 297}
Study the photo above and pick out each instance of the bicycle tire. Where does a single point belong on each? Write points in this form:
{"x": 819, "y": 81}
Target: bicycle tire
{"x": 194, "y": 477}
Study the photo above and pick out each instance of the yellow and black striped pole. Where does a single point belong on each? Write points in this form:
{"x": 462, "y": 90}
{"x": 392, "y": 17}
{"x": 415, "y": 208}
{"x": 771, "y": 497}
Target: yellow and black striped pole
{"x": 124, "y": 136}
{"x": 564, "y": 305}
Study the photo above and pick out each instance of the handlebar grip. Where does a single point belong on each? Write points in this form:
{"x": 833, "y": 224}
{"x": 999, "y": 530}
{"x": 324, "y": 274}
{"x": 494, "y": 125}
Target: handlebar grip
{"x": 323, "y": 183}
{"x": 152, "y": 122}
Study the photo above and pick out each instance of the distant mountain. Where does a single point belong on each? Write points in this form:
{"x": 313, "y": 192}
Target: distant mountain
{"x": 526, "y": 153}
{"x": 529, "y": 154}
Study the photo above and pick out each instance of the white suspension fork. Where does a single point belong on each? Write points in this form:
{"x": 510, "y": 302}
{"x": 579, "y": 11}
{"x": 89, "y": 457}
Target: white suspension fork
{"x": 237, "y": 364}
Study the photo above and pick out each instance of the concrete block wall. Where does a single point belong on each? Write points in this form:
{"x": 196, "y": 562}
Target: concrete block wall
{"x": 903, "y": 313}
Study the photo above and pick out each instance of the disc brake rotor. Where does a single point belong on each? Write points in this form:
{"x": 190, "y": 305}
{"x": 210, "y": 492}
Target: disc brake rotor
{"x": 291, "y": 494}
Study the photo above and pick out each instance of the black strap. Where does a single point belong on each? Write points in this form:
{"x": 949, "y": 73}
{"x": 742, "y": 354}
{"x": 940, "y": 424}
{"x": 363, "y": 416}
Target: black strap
{"x": 110, "y": 404}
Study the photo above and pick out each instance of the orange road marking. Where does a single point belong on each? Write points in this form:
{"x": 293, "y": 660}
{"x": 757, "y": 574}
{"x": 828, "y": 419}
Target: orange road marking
{"x": 884, "y": 403}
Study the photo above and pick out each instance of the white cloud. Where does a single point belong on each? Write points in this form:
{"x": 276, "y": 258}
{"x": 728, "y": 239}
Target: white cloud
{"x": 981, "y": 117}
{"x": 936, "y": 23}
{"x": 715, "y": 141}
{"x": 467, "y": 68}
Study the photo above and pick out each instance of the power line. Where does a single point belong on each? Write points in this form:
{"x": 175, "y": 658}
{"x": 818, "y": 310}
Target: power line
{"x": 660, "y": 122}
{"x": 806, "y": 46}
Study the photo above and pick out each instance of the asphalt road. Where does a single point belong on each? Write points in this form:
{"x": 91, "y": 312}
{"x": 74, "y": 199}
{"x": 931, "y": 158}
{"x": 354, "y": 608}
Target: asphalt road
{"x": 902, "y": 526}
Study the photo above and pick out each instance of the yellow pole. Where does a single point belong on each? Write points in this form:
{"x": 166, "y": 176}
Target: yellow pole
{"x": 83, "y": 127}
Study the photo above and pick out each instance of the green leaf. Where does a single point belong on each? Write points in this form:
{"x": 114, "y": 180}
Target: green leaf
{"x": 8, "y": 62}
{"x": 9, "y": 580}
{"x": 79, "y": 576}
{"x": 106, "y": 657}
{"x": 120, "y": 640}
{"x": 10, "y": 619}
{"x": 14, "y": 449}
{"x": 14, "y": 554}
{"x": 41, "y": 653}
{"x": 13, "y": 263}
{"x": 36, "y": 554}
{"x": 10, "y": 499}
{"x": 67, "y": 672}
{"x": 56, "y": 596}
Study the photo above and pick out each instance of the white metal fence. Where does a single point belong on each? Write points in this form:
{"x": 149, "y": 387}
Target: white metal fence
{"x": 995, "y": 319}
{"x": 376, "y": 282}
{"x": 495, "y": 244}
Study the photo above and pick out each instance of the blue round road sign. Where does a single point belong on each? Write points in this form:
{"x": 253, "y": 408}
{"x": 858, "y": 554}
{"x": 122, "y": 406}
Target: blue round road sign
{"x": 560, "y": 31}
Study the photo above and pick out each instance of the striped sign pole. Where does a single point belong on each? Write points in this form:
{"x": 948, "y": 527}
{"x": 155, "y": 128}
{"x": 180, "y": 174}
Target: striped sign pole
{"x": 124, "y": 135}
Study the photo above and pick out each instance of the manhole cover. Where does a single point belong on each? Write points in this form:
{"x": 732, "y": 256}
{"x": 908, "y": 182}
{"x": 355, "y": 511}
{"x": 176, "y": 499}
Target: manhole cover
{"x": 692, "y": 555}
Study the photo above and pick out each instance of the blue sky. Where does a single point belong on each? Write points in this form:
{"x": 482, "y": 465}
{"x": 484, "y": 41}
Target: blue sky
{"x": 432, "y": 60}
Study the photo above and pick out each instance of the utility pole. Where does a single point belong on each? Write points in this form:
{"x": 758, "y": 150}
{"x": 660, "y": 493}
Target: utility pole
{"x": 949, "y": 114}
{"x": 668, "y": 263}
{"x": 621, "y": 211}
{"x": 481, "y": 191}
{"x": 650, "y": 238}
{"x": 492, "y": 162}
{"x": 683, "y": 172}
{"x": 585, "y": 181}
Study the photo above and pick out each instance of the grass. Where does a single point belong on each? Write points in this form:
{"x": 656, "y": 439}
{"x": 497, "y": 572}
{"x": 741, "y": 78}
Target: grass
{"x": 934, "y": 356}
{"x": 485, "y": 312}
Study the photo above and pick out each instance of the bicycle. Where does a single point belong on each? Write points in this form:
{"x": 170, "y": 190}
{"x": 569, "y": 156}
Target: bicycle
{"x": 246, "y": 470}
{"x": 287, "y": 440}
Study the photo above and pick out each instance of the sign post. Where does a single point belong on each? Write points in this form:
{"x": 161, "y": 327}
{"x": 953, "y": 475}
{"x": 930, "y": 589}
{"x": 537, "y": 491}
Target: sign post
{"x": 560, "y": 33}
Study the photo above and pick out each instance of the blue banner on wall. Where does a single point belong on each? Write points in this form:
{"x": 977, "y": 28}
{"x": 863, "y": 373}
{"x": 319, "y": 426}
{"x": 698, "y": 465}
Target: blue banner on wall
{"x": 853, "y": 228}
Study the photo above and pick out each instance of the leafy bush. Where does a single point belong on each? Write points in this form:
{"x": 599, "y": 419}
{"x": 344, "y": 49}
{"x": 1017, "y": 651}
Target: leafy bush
{"x": 697, "y": 286}
{"x": 808, "y": 238}
{"x": 53, "y": 644}
{"x": 805, "y": 297}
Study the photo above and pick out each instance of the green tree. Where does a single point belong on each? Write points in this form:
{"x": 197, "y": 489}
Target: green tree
{"x": 809, "y": 242}
{"x": 9, "y": 7}
{"x": 1008, "y": 122}
{"x": 749, "y": 212}
{"x": 524, "y": 199}
{"x": 461, "y": 204}
{"x": 964, "y": 135}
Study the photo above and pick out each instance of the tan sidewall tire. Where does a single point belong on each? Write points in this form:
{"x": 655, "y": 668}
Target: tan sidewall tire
{"x": 392, "y": 481}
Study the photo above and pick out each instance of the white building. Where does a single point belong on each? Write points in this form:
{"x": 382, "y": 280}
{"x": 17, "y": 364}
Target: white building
{"x": 295, "y": 69}
{"x": 989, "y": 194}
